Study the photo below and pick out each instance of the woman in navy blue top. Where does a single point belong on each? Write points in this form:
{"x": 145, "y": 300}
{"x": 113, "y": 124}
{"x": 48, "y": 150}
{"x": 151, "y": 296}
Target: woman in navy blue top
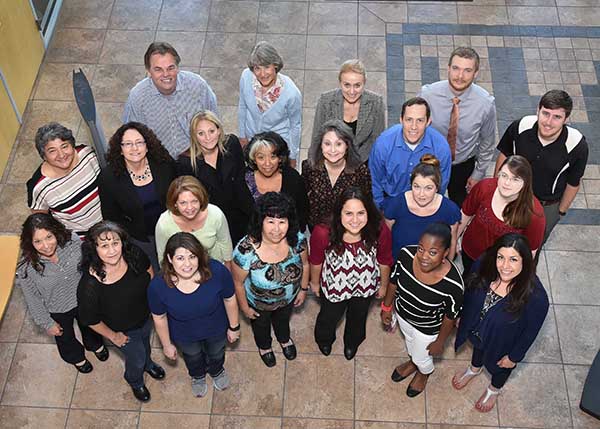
{"x": 194, "y": 309}
{"x": 408, "y": 214}
{"x": 504, "y": 308}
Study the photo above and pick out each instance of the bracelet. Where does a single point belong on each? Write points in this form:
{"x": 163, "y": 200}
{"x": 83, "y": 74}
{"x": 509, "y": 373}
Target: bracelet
{"x": 386, "y": 308}
{"x": 304, "y": 288}
{"x": 235, "y": 329}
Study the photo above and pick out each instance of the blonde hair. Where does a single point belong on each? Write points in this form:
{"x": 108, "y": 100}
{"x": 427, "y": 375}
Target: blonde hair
{"x": 195, "y": 149}
{"x": 183, "y": 184}
{"x": 355, "y": 66}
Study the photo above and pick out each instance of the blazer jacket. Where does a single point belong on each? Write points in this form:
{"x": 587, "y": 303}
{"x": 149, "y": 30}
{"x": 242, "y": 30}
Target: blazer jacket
{"x": 371, "y": 118}
{"x": 120, "y": 201}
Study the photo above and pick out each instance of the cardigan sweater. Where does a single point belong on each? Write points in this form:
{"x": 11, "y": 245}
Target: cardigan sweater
{"x": 370, "y": 122}
{"x": 284, "y": 117}
{"x": 500, "y": 333}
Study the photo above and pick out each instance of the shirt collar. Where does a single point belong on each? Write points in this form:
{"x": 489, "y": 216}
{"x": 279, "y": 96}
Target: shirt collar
{"x": 179, "y": 86}
{"x": 425, "y": 141}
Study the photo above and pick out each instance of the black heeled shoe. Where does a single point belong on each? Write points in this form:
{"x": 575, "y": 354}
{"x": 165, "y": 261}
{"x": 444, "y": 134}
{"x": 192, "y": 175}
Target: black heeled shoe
{"x": 290, "y": 351}
{"x": 86, "y": 368}
{"x": 326, "y": 350}
{"x": 349, "y": 352}
{"x": 268, "y": 359}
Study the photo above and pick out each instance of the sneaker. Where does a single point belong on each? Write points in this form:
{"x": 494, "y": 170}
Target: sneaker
{"x": 199, "y": 387}
{"x": 221, "y": 381}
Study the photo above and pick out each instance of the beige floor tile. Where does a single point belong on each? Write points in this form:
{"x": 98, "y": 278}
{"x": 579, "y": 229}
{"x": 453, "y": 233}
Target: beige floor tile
{"x": 164, "y": 420}
{"x": 579, "y": 345}
{"x": 308, "y": 118}
{"x": 55, "y": 81}
{"x": 244, "y": 422}
{"x": 188, "y": 45}
{"x": 332, "y": 18}
{"x": 102, "y": 419}
{"x": 329, "y": 52}
{"x": 36, "y": 365}
{"x": 448, "y": 406}
{"x": 546, "y": 348}
{"x": 225, "y": 82}
{"x": 535, "y": 396}
{"x": 303, "y": 326}
{"x": 574, "y": 238}
{"x": 33, "y": 334}
{"x": 137, "y": 15}
{"x": 7, "y": 351}
{"x": 256, "y": 390}
{"x": 527, "y": 15}
{"x": 437, "y": 13}
{"x": 125, "y": 47}
{"x": 576, "y": 376}
{"x": 371, "y": 50}
{"x": 291, "y": 423}
{"x": 369, "y": 24}
{"x": 283, "y": 17}
{"x": 174, "y": 393}
{"x": 579, "y": 15}
{"x": 105, "y": 387}
{"x": 227, "y": 49}
{"x": 184, "y": 15}
{"x": 567, "y": 269}
{"x": 229, "y": 116}
{"x": 11, "y": 323}
{"x": 379, "y": 342}
{"x": 319, "y": 387}
{"x": 225, "y": 16}
{"x": 291, "y": 47}
{"x": 112, "y": 82}
{"x": 42, "y": 112}
{"x": 109, "y": 116}
{"x": 388, "y": 425}
{"x": 463, "y": 354}
{"x": 13, "y": 208}
{"x": 388, "y": 12}
{"x": 379, "y": 398}
{"x": 318, "y": 82}
{"x": 25, "y": 162}
{"x": 32, "y": 418}
{"x": 85, "y": 13}
{"x": 486, "y": 15}
{"x": 74, "y": 45}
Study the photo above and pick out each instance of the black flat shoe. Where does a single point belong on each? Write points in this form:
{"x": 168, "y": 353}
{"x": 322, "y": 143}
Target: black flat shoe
{"x": 103, "y": 354}
{"x": 397, "y": 377}
{"x": 141, "y": 393}
{"x": 289, "y": 351}
{"x": 326, "y": 350}
{"x": 85, "y": 368}
{"x": 269, "y": 359}
{"x": 411, "y": 393}
{"x": 156, "y": 372}
{"x": 349, "y": 352}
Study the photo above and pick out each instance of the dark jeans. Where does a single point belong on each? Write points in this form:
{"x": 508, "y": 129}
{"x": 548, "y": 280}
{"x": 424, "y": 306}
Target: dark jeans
{"x": 137, "y": 354}
{"x": 279, "y": 319}
{"x": 467, "y": 263}
{"x": 204, "y": 356}
{"x": 69, "y": 347}
{"x": 459, "y": 174}
{"x": 499, "y": 377}
{"x": 356, "y": 310}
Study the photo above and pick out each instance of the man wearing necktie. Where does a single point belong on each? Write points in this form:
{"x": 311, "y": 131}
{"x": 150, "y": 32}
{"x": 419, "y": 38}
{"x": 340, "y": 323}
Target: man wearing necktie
{"x": 466, "y": 114}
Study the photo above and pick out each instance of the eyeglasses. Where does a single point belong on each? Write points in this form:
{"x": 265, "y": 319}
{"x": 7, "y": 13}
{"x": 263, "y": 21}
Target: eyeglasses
{"x": 502, "y": 175}
{"x": 129, "y": 145}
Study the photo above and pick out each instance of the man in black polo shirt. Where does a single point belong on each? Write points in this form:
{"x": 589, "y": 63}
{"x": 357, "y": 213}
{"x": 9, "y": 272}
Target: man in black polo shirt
{"x": 558, "y": 154}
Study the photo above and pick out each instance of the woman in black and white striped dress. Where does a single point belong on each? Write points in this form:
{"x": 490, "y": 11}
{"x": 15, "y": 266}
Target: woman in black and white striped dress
{"x": 426, "y": 291}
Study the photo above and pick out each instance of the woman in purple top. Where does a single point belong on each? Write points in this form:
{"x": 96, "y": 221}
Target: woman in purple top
{"x": 410, "y": 213}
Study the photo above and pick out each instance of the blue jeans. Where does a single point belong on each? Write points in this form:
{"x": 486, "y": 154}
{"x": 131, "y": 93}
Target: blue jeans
{"x": 137, "y": 354}
{"x": 204, "y": 356}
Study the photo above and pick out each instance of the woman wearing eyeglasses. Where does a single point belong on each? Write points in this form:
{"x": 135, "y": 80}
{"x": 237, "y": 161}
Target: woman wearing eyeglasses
{"x": 133, "y": 187}
{"x": 499, "y": 206}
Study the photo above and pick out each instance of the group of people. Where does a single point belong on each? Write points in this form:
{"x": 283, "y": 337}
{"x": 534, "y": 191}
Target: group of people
{"x": 187, "y": 225}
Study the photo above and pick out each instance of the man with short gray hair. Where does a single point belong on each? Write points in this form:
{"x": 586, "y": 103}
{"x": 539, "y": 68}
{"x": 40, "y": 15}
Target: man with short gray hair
{"x": 168, "y": 98}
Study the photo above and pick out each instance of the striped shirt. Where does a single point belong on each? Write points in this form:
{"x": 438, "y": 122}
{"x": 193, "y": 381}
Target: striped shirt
{"x": 73, "y": 199}
{"x": 424, "y": 306}
{"x": 169, "y": 116}
{"x": 54, "y": 290}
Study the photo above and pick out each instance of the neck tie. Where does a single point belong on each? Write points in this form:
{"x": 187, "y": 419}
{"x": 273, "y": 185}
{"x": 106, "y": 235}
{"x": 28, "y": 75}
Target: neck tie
{"x": 453, "y": 126}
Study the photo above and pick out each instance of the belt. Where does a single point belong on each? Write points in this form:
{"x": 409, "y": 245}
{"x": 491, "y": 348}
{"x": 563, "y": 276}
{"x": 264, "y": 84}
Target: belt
{"x": 549, "y": 203}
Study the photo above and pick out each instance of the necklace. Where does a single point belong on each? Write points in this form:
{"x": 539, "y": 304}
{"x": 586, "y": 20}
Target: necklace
{"x": 141, "y": 177}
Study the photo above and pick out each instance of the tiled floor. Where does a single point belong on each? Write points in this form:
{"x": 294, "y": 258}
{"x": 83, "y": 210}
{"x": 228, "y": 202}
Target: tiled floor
{"x": 528, "y": 46}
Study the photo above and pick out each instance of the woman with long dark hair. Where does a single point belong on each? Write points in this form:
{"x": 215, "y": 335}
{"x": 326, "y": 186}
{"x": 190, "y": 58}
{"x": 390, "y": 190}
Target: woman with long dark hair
{"x": 504, "y": 309}
{"x": 133, "y": 187}
{"x": 194, "y": 310}
{"x": 499, "y": 206}
{"x": 48, "y": 276}
{"x": 350, "y": 262}
{"x": 113, "y": 301}
{"x": 270, "y": 273}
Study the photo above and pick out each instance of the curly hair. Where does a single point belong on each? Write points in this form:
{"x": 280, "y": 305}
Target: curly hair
{"x": 52, "y": 131}
{"x": 33, "y": 223}
{"x": 370, "y": 232}
{"x": 189, "y": 242}
{"x": 278, "y": 205}
{"x": 522, "y": 286}
{"x": 156, "y": 151}
{"x": 271, "y": 140}
{"x": 96, "y": 234}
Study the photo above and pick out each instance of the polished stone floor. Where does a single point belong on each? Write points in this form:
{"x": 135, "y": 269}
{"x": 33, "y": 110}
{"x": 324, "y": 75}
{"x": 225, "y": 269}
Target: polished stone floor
{"x": 527, "y": 46}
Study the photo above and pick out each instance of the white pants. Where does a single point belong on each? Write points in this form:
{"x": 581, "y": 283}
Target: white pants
{"x": 416, "y": 346}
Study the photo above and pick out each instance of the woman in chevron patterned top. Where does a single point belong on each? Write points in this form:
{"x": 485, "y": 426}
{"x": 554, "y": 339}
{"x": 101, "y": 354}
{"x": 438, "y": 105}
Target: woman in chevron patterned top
{"x": 350, "y": 262}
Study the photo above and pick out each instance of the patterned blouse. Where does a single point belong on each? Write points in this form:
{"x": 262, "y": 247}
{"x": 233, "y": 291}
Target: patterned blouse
{"x": 322, "y": 196}
{"x": 270, "y": 286}
{"x": 264, "y": 100}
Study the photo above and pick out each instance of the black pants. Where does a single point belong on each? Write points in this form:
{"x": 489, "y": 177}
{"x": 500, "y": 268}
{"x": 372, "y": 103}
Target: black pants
{"x": 459, "y": 174}
{"x": 356, "y": 309}
{"x": 279, "y": 319}
{"x": 499, "y": 377}
{"x": 467, "y": 263}
{"x": 69, "y": 348}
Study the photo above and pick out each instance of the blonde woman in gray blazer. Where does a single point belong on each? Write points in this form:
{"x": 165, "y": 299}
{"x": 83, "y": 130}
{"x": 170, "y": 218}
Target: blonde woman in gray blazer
{"x": 362, "y": 110}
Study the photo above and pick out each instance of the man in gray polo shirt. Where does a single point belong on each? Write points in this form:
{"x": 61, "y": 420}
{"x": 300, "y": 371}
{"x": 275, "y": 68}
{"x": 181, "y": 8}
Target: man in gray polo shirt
{"x": 168, "y": 98}
{"x": 473, "y": 109}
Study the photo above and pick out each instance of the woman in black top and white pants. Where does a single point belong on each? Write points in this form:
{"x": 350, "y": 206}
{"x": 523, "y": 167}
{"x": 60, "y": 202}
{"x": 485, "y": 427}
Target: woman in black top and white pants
{"x": 426, "y": 290}
{"x": 113, "y": 301}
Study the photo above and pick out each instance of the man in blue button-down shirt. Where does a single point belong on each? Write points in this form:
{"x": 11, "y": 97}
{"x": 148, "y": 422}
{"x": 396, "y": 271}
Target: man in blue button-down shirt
{"x": 399, "y": 149}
